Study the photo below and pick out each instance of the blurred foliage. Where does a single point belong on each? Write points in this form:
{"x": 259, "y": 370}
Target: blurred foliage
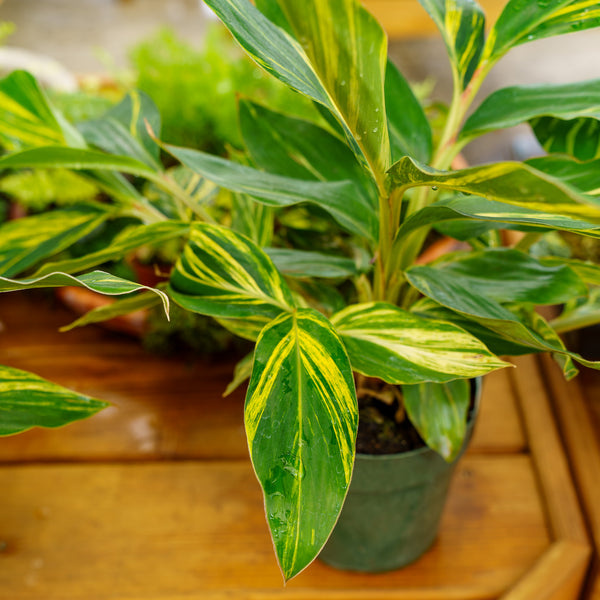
{"x": 6, "y": 30}
{"x": 196, "y": 89}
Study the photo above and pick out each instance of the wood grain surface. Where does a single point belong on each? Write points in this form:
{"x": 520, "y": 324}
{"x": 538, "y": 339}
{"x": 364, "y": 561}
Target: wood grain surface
{"x": 155, "y": 498}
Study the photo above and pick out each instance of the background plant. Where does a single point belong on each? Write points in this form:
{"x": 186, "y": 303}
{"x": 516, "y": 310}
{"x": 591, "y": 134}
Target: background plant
{"x": 365, "y": 164}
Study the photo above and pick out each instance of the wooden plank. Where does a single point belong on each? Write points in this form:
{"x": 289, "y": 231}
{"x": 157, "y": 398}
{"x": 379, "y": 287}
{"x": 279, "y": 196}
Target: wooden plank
{"x": 556, "y": 576}
{"x": 406, "y": 18}
{"x": 167, "y": 530}
{"x": 163, "y": 408}
{"x": 582, "y": 439}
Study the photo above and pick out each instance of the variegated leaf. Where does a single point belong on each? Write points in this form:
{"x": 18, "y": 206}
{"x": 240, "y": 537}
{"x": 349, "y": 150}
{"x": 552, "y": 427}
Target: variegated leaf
{"x": 397, "y": 346}
{"x": 511, "y": 106}
{"x": 241, "y": 373}
{"x": 224, "y": 274}
{"x": 26, "y": 241}
{"x": 27, "y": 119}
{"x": 339, "y": 198}
{"x": 522, "y": 22}
{"x": 248, "y": 328}
{"x": 301, "y": 418}
{"x": 293, "y": 147}
{"x": 579, "y": 138}
{"x": 439, "y": 413}
{"x": 579, "y": 314}
{"x": 588, "y": 272}
{"x": 123, "y": 131}
{"x": 252, "y": 219}
{"x": 338, "y": 60}
{"x": 583, "y": 176}
{"x": 509, "y": 182}
{"x": 481, "y": 210}
{"x": 124, "y": 243}
{"x": 98, "y": 281}
{"x": 27, "y": 401}
{"x": 462, "y": 25}
{"x": 457, "y": 295}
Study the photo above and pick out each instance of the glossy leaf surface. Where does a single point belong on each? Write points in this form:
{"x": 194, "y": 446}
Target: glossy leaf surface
{"x": 300, "y": 263}
{"x": 97, "y": 281}
{"x": 24, "y": 242}
{"x": 524, "y": 21}
{"x": 510, "y": 182}
{"x": 300, "y": 149}
{"x": 508, "y": 275}
{"x": 409, "y": 129}
{"x": 339, "y": 198}
{"x": 511, "y": 106}
{"x": 339, "y": 61}
{"x": 482, "y": 210}
{"x": 27, "y": 401}
{"x": 583, "y": 176}
{"x": 579, "y": 138}
{"x": 397, "y": 346}
{"x": 301, "y": 418}
{"x": 223, "y": 274}
{"x": 462, "y": 24}
{"x": 439, "y": 413}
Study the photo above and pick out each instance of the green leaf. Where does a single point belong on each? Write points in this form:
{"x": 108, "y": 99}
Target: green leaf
{"x": 340, "y": 199}
{"x": 400, "y": 347}
{"x": 508, "y": 275}
{"x": 482, "y": 210}
{"x": 522, "y": 22}
{"x": 579, "y": 314}
{"x": 296, "y": 148}
{"x": 248, "y": 328}
{"x": 439, "y": 413}
{"x": 97, "y": 281}
{"x": 511, "y": 106}
{"x": 223, "y": 274}
{"x": 457, "y": 295}
{"x": 409, "y": 129}
{"x": 462, "y": 25}
{"x": 300, "y": 263}
{"x": 510, "y": 182}
{"x": 27, "y": 401}
{"x": 252, "y": 219}
{"x": 578, "y": 137}
{"x": 339, "y": 62}
{"x": 118, "y": 308}
{"x": 302, "y": 449}
{"x": 127, "y": 241}
{"x": 49, "y": 157}
{"x": 122, "y": 131}
{"x": 587, "y": 271}
{"x": 583, "y": 176}
{"x": 27, "y": 119}
{"x": 26, "y": 241}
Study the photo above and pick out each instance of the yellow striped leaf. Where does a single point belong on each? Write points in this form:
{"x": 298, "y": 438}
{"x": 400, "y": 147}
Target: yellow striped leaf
{"x": 27, "y": 401}
{"x": 397, "y": 346}
{"x": 24, "y": 242}
{"x": 509, "y": 182}
{"x": 337, "y": 57}
{"x": 462, "y": 24}
{"x": 578, "y": 137}
{"x": 301, "y": 418}
{"x": 224, "y": 274}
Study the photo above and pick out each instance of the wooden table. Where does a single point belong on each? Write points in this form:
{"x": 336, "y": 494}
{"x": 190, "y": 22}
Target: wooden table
{"x": 155, "y": 499}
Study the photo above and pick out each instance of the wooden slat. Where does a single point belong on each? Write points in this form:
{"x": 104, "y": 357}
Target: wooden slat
{"x": 163, "y": 407}
{"x": 579, "y": 427}
{"x": 406, "y": 18}
{"x": 164, "y": 530}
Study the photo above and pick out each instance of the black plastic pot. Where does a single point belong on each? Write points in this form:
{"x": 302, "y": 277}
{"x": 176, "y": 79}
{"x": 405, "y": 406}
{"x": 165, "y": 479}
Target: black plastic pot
{"x": 393, "y": 509}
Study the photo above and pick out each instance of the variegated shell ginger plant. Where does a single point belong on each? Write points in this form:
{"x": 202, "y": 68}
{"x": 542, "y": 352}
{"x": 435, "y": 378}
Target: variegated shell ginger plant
{"x": 369, "y": 163}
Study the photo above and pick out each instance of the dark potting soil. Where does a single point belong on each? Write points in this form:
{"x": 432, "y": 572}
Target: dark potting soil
{"x": 383, "y": 427}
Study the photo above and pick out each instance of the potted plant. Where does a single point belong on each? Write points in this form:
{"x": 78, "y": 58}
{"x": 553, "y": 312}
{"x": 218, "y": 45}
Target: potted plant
{"x": 360, "y": 313}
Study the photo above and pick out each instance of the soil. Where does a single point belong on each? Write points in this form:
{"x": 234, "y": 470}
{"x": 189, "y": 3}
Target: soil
{"x": 382, "y": 425}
